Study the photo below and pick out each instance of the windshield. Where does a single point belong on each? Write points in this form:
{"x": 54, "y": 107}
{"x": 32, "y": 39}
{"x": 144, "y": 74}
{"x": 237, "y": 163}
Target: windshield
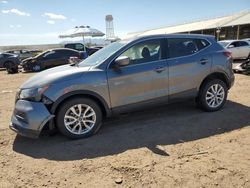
{"x": 224, "y": 44}
{"x": 102, "y": 54}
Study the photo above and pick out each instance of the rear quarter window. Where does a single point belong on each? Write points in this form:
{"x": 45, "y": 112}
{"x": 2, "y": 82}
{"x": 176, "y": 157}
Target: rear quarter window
{"x": 179, "y": 47}
{"x": 201, "y": 43}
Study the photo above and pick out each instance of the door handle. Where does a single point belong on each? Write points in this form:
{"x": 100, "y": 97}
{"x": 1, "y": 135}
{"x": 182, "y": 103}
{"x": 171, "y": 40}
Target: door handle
{"x": 159, "y": 69}
{"x": 203, "y": 61}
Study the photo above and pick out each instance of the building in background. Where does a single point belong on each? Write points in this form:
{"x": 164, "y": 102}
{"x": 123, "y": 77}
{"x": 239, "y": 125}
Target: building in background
{"x": 235, "y": 26}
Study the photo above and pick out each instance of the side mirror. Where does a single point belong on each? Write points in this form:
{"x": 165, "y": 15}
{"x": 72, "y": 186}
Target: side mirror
{"x": 230, "y": 46}
{"x": 122, "y": 61}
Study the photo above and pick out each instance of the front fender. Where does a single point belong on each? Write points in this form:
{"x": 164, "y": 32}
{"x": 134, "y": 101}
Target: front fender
{"x": 81, "y": 92}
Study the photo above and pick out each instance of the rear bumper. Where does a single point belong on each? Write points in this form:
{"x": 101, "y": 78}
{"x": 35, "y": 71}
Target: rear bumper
{"x": 232, "y": 79}
{"x": 29, "y": 118}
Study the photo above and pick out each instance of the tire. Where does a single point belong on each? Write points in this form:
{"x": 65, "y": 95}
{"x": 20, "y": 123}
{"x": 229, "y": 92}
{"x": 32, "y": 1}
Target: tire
{"x": 208, "y": 100}
{"x": 84, "y": 127}
{"x": 11, "y": 68}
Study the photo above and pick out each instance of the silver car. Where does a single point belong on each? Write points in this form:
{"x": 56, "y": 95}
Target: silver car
{"x": 240, "y": 49}
{"x": 124, "y": 76}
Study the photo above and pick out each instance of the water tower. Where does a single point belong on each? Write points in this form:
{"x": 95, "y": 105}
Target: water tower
{"x": 109, "y": 28}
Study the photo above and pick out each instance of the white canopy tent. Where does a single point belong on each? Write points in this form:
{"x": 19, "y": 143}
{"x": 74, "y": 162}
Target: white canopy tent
{"x": 82, "y": 31}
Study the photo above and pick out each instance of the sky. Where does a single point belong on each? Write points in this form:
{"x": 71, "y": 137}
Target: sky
{"x": 41, "y": 21}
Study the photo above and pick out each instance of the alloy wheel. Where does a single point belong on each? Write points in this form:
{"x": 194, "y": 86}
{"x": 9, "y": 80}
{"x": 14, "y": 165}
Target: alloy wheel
{"x": 80, "y": 119}
{"x": 215, "y": 95}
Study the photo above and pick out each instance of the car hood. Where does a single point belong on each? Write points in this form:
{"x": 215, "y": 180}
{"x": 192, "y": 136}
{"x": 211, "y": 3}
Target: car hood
{"x": 54, "y": 75}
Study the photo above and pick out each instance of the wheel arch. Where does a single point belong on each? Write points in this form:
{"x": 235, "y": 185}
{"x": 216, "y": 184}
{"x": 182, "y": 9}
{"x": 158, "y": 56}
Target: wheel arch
{"x": 82, "y": 93}
{"x": 216, "y": 75}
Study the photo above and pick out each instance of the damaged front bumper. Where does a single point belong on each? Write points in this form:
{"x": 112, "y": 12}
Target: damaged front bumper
{"x": 29, "y": 118}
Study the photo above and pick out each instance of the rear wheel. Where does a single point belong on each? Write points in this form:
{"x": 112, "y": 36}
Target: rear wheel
{"x": 79, "y": 118}
{"x": 212, "y": 95}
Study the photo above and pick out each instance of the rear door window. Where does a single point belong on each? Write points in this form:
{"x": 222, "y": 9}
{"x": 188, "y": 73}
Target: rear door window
{"x": 69, "y": 46}
{"x": 201, "y": 43}
{"x": 69, "y": 53}
{"x": 79, "y": 47}
{"x": 179, "y": 47}
{"x": 235, "y": 44}
{"x": 243, "y": 43}
{"x": 52, "y": 55}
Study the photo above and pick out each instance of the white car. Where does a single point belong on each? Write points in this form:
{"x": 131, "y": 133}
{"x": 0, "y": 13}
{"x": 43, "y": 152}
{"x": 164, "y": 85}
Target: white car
{"x": 247, "y": 39}
{"x": 240, "y": 49}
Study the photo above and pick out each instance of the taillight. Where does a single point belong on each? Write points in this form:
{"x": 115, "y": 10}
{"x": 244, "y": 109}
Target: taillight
{"x": 227, "y": 53}
{"x": 229, "y": 58}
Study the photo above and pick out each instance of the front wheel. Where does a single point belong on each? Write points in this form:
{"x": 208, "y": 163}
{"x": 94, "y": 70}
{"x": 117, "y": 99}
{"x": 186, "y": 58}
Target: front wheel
{"x": 79, "y": 118}
{"x": 212, "y": 95}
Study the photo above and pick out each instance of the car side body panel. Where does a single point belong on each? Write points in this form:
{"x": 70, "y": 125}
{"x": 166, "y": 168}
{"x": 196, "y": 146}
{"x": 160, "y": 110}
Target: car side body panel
{"x": 137, "y": 83}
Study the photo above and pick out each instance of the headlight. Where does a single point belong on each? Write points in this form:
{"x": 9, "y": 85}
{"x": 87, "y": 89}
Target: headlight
{"x": 32, "y": 94}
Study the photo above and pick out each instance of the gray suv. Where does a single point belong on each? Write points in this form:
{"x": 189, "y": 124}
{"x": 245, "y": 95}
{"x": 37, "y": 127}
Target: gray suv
{"x": 124, "y": 76}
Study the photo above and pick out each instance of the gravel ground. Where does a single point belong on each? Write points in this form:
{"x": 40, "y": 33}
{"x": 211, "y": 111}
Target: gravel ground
{"x": 171, "y": 146}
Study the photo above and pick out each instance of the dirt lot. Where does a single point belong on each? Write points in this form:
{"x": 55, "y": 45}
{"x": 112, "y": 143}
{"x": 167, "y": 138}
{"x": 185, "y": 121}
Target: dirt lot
{"x": 173, "y": 146}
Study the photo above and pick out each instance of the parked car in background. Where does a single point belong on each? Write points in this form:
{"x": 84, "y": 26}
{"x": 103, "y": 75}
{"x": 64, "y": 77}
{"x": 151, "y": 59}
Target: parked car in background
{"x": 80, "y": 47}
{"x": 92, "y": 50}
{"x": 243, "y": 67}
{"x": 10, "y": 62}
{"x": 247, "y": 39}
{"x": 22, "y": 54}
{"x": 240, "y": 49}
{"x": 50, "y": 58}
{"x": 124, "y": 76}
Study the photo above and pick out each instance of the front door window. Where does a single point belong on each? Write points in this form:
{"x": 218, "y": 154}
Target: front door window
{"x": 144, "y": 52}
